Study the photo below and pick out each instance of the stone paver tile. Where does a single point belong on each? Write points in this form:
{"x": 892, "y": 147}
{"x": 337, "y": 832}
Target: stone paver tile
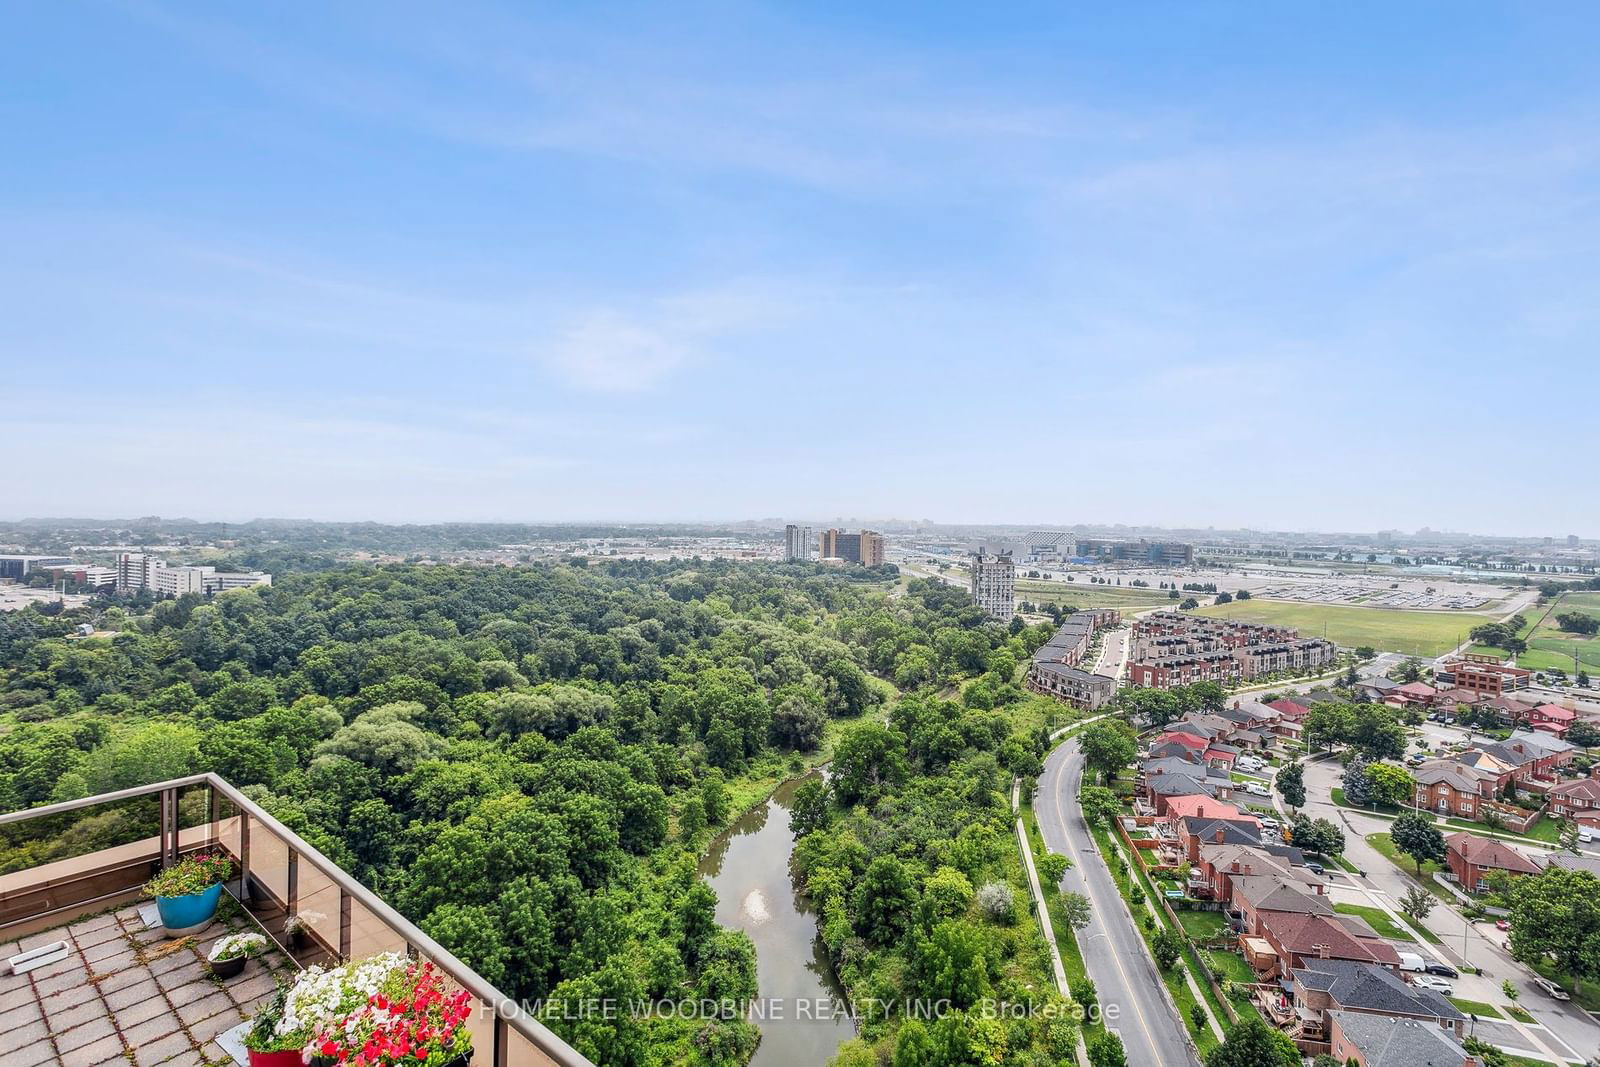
{"x": 130, "y": 992}
{"x": 250, "y": 988}
{"x": 10, "y": 983}
{"x": 139, "y": 1011}
{"x": 106, "y": 1050}
{"x": 33, "y": 1033}
{"x": 193, "y": 991}
{"x": 73, "y": 978}
{"x": 109, "y": 954}
{"x": 73, "y": 962}
{"x": 72, "y": 1008}
{"x": 87, "y": 1034}
{"x": 204, "y": 1008}
{"x": 223, "y": 1021}
{"x": 183, "y": 976}
{"x": 159, "y": 1051}
{"x": 26, "y": 1012}
{"x": 190, "y": 1058}
{"x": 169, "y": 961}
{"x": 152, "y": 1030}
{"x": 89, "y": 936}
{"x": 33, "y": 1054}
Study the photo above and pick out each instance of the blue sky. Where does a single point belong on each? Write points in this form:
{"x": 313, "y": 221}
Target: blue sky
{"x": 1180, "y": 264}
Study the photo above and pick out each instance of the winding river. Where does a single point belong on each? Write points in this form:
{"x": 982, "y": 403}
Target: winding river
{"x": 748, "y": 866}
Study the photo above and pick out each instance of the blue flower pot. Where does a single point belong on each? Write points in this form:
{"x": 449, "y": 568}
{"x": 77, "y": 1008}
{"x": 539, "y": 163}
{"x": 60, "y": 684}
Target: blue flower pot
{"x": 191, "y": 913}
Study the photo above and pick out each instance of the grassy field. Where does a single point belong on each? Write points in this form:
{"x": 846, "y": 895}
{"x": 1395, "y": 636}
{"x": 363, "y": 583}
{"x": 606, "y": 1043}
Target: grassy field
{"x": 1082, "y": 595}
{"x": 1415, "y": 633}
{"x": 1550, "y": 647}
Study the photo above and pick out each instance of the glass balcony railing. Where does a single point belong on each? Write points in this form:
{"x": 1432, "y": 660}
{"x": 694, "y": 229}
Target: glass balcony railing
{"x": 88, "y": 855}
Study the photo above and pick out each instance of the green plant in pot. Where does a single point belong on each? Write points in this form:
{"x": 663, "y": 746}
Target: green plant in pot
{"x": 229, "y": 954}
{"x": 188, "y": 892}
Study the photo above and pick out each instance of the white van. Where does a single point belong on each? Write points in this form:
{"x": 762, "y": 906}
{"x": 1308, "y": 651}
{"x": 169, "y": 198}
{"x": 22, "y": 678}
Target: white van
{"x": 1587, "y": 833}
{"x": 1410, "y": 961}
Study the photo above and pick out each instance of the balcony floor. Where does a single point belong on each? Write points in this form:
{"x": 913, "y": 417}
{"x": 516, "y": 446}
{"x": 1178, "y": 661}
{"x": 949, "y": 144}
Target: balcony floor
{"x": 127, "y": 995}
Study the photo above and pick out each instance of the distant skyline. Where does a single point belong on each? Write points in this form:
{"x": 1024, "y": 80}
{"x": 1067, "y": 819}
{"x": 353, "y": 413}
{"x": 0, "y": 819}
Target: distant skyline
{"x": 1230, "y": 265}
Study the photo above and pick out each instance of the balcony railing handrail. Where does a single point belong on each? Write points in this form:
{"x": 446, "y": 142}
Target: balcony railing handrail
{"x": 508, "y": 1009}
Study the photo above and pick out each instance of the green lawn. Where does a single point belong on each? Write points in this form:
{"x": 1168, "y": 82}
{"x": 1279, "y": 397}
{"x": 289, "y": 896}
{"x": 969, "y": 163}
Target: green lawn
{"x": 1518, "y": 1014}
{"x": 1552, "y": 648}
{"x": 1230, "y": 965}
{"x": 1417, "y": 633}
{"x": 1476, "y": 1007}
{"x": 1203, "y": 925}
{"x": 1376, "y": 918}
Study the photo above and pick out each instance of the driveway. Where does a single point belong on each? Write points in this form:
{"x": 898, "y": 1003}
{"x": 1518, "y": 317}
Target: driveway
{"x": 1131, "y": 993}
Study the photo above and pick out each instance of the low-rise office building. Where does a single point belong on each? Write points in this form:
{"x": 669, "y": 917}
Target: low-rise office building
{"x": 15, "y": 567}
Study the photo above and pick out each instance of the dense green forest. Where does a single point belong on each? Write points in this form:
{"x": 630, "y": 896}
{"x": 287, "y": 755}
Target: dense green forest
{"x": 527, "y": 761}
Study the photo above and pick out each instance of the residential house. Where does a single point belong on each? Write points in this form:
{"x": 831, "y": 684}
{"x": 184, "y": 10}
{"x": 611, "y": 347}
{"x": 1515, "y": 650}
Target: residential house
{"x": 1212, "y": 828}
{"x": 1578, "y": 800}
{"x": 1412, "y": 695}
{"x": 1323, "y": 986}
{"x": 1368, "y": 1040}
{"x": 1470, "y": 857}
{"x": 1296, "y": 937}
{"x": 1253, "y": 898}
{"x": 1216, "y": 865}
{"x": 1536, "y": 755}
{"x": 1552, "y": 718}
{"x": 1451, "y": 787}
{"x": 1376, "y": 690}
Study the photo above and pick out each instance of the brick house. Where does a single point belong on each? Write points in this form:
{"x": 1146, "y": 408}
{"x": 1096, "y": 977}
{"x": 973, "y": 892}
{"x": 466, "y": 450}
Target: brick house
{"x": 1552, "y": 718}
{"x": 1470, "y": 857}
{"x": 1298, "y": 938}
{"x": 1577, "y": 800}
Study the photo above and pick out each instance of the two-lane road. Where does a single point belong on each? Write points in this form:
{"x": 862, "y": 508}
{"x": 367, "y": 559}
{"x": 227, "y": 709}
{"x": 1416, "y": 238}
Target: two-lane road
{"x": 1130, "y": 991}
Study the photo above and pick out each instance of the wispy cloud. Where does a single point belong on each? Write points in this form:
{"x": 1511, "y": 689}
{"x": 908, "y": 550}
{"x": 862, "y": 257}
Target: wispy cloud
{"x": 608, "y": 350}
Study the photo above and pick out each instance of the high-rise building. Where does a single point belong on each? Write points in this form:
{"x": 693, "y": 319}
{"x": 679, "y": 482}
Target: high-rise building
{"x": 994, "y": 584}
{"x": 865, "y": 548}
{"x": 796, "y": 542}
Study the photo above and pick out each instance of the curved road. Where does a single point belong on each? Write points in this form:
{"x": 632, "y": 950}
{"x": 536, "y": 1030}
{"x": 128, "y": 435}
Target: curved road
{"x": 1114, "y": 953}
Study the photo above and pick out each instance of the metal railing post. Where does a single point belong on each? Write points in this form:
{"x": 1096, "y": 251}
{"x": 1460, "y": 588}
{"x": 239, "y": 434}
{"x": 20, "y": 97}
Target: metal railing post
{"x": 214, "y": 827}
{"x": 344, "y": 925}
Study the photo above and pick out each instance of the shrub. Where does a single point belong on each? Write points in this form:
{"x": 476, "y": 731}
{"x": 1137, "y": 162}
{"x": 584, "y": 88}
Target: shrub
{"x": 997, "y": 903}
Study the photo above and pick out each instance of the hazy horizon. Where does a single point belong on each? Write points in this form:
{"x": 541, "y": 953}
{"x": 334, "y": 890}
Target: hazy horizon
{"x": 1237, "y": 266}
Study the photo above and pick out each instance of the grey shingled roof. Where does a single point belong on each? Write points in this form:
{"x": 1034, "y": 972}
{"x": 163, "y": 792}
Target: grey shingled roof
{"x": 1367, "y": 987}
{"x": 1386, "y": 1041}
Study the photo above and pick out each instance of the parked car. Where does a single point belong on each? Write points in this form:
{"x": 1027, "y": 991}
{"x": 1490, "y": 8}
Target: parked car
{"x": 1314, "y": 868}
{"x": 1250, "y": 763}
{"x": 1552, "y": 990}
{"x": 1443, "y": 970}
{"x": 1410, "y": 961}
{"x": 1502, "y": 924}
{"x": 1416, "y": 761}
{"x": 1270, "y": 824}
{"x": 1588, "y": 833}
{"x": 1435, "y": 983}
